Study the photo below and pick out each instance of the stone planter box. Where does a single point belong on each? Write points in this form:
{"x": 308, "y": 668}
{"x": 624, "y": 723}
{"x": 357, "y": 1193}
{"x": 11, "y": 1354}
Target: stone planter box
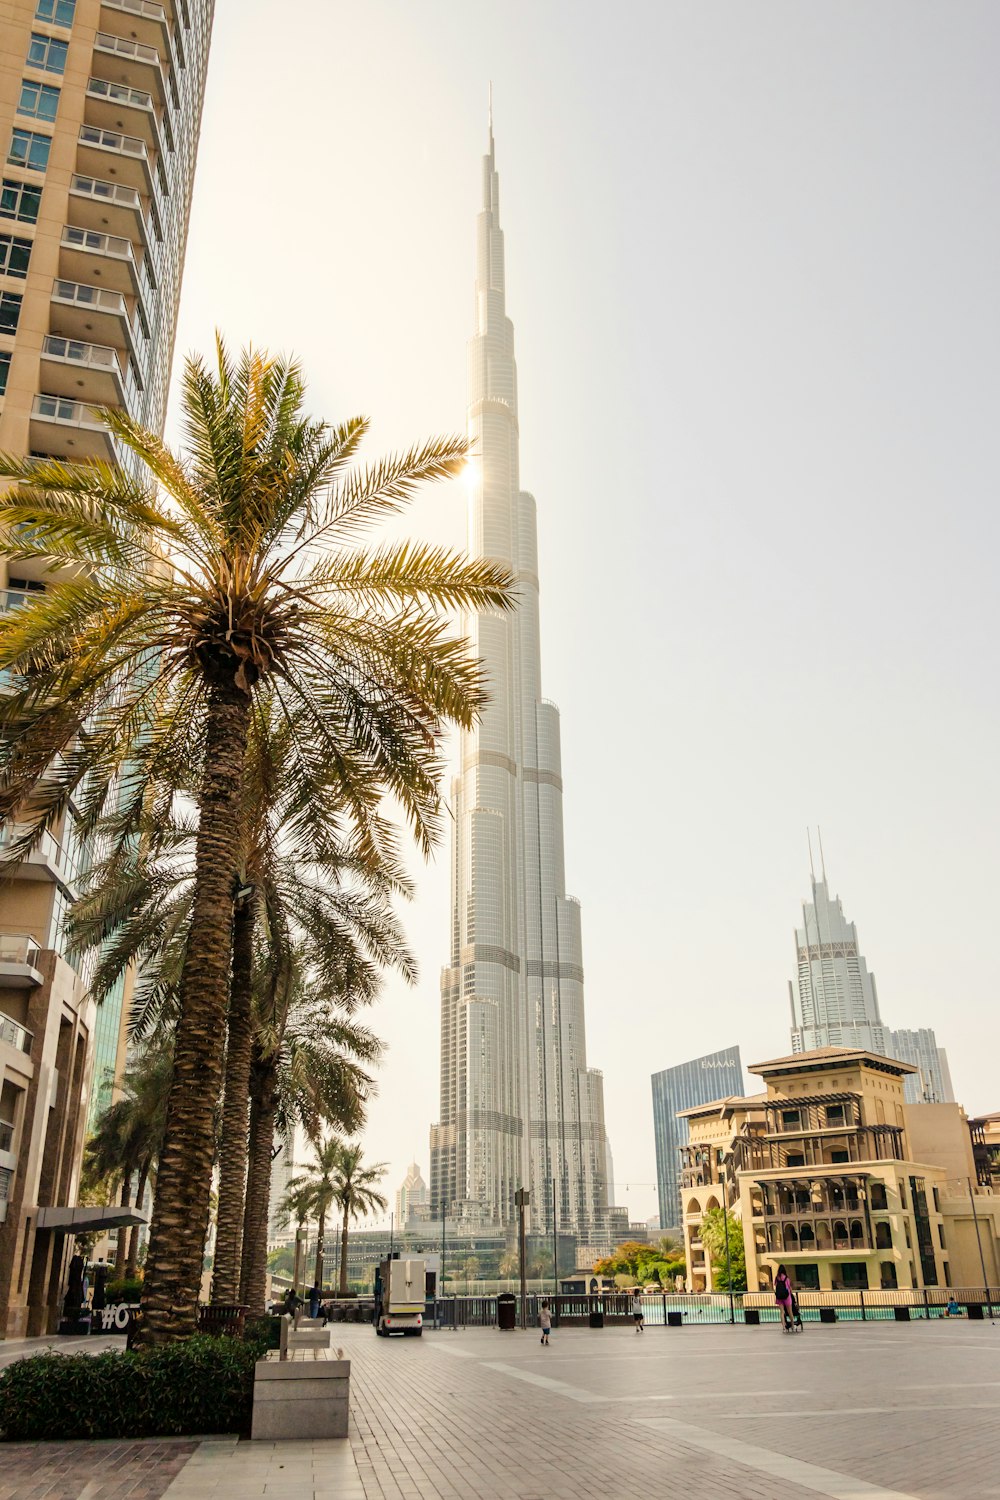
{"x": 298, "y": 1398}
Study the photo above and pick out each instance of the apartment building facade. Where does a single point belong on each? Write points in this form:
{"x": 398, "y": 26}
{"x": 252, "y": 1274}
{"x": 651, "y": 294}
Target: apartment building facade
{"x": 100, "y": 111}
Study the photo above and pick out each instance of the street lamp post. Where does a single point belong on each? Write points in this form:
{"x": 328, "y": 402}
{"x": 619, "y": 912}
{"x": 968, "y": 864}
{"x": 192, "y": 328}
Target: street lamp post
{"x": 725, "y": 1226}
{"x": 521, "y": 1200}
{"x": 979, "y": 1244}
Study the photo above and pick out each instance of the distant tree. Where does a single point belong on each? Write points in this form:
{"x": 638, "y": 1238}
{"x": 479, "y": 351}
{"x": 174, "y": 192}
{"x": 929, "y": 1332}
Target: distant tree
{"x": 713, "y": 1230}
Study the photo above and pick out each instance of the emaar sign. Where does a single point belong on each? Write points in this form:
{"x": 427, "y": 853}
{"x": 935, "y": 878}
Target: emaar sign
{"x": 727, "y": 1063}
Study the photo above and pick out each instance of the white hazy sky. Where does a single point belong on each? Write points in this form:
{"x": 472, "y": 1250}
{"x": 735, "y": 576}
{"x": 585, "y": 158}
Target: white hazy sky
{"x": 752, "y": 266}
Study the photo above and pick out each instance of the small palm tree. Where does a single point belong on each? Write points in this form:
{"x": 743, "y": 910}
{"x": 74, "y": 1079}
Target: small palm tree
{"x": 137, "y": 676}
{"x": 296, "y": 1207}
{"x": 318, "y": 1186}
{"x": 356, "y": 1194}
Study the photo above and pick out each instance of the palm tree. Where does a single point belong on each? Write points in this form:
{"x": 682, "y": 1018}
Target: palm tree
{"x": 312, "y": 1076}
{"x": 133, "y": 673}
{"x": 509, "y": 1263}
{"x": 318, "y": 1186}
{"x": 127, "y": 1138}
{"x": 356, "y": 1194}
{"x": 296, "y": 1208}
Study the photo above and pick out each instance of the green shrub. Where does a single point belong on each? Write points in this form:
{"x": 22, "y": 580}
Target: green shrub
{"x": 196, "y": 1385}
{"x": 266, "y": 1331}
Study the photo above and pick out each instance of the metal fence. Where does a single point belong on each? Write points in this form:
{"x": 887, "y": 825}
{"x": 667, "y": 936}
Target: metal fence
{"x": 694, "y": 1309}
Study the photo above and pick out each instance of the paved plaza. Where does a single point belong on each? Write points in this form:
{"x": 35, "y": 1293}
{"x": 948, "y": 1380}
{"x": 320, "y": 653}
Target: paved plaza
{"x": 855, "y": 1412}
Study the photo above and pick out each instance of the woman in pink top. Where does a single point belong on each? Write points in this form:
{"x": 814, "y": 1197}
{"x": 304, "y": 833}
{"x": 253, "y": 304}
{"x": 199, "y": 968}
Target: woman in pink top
{"x": 783, "y": 1296}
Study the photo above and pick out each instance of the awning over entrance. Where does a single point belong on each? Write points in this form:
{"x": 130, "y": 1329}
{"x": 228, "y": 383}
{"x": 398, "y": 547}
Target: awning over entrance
{"x": 86, "y": 1220}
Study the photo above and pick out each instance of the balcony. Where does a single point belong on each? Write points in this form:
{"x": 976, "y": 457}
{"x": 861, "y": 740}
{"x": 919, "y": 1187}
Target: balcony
{"x": 69, "y": 429}
{"x": 834, "y": 1148}
{"x": 15, "y": 1035}
{"x": 145, "y": 20}
{"x": 113, "y": 106}
{"x": 81, "y": 371}
{"x": 108, "y": 207}
{"x": 91, "y": 314}
{"x": 85, "y": 255}
{"x": 19, "y": 955}
{"x": 132, "y": 64}
{"x": 108, "y": 153}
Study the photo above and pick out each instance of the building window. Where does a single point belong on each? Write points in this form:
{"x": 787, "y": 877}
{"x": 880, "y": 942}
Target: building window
{"x": 14, "y": 255}
{"x": 47, "y": 53}
{"x": 38, "y": 99}
{"x": 878, "y": 1197}
{"x": 835, "y": 1114}
{"x": 28, "y": 149}
{"x": 791, "y": 1119}
{"x": 4, "y": 370}
{"x": 59, "y": 12}
{"x": 19, "y": 200}
{"x": 10, "y": 311}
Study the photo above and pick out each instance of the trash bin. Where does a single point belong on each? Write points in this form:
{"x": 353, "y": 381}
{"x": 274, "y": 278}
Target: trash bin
{"x": 974, "y": 1310}
{"x": 902, "y": 1314}
{"x": 751, "y": 1315}
{"x": 506, "y": 1312}
{"x": 597, "y": 1317}
{"x": 675, "y": 1320}
{"x": 828, "y": 1315}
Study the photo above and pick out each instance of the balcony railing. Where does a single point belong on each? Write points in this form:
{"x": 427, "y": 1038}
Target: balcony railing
{"x": 73, "y": 351}
{"x": 147, "y": 8}
{"x": 122, "y": 46}
{"x": 48, "y": 849}
{"x": 101, "y": 244}
{"x": 108, "y": 192}
{"x": 120, "y": 93}
{"x": 14, "y": 1034}
{"x": 19, "y": 948}
{"x": 90, "y": 296}
{"x": 111, "y": 140}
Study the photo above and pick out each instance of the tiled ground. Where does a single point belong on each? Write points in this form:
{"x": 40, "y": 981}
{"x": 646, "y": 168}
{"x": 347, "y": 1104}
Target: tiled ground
{"x": 862, "y": 1412}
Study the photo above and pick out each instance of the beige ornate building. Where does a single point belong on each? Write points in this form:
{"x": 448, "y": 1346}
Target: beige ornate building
{"x": 833, "y": 1175}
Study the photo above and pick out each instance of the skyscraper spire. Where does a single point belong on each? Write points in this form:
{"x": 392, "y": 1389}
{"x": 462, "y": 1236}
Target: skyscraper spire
{"x": 519, "y": 1106}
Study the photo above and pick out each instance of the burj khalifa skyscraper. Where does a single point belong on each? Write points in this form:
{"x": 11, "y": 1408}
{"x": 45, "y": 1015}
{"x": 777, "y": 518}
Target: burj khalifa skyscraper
{"x": 519, "y": 1105}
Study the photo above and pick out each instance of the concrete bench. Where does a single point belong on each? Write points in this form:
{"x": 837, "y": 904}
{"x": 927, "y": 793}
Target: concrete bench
{"x": 295, "y": 1398}
{"x": 304, "y": 1334}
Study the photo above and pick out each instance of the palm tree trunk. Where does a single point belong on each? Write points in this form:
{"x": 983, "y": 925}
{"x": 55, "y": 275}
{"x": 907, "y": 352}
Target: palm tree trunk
{"x": 343, "y": 1256}
{"x": 180, "y": 1216}
{"x": 132, "y": 1264}
{"x": 233, "y": 1144}
{"x": 126, "y": 1202}
{"x": 321, "y": 1229}
{"x": 263, "y": 1108}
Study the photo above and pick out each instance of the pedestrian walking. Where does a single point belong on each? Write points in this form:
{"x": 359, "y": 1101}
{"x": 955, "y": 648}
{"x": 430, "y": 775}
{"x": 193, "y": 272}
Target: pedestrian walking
{"x": 783, "y": 1297}
{"x": 545, "y": 1321}
{"x": 638, "y": 1317}
{"x": 314, "y": 1299}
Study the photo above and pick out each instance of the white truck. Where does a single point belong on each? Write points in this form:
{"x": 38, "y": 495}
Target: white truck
{"x": 400, "y": 1290}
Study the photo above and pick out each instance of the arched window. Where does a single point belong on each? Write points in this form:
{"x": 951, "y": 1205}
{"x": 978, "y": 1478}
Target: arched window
{"x": 806, "y": 1236}
{"x": 883, "y": 1236}
{"x": 791, "y": 1238}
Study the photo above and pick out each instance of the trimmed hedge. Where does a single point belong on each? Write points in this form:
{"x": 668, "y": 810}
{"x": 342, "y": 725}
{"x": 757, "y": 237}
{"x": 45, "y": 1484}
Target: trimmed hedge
{"x": 196, "y": 1385}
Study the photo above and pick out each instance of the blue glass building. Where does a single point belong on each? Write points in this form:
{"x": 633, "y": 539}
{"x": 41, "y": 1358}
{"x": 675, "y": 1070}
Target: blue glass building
{"x": 714, "y": 1076}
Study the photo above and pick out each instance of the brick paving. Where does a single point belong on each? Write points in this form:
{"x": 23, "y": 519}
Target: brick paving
{"x": 853, "y": 1412}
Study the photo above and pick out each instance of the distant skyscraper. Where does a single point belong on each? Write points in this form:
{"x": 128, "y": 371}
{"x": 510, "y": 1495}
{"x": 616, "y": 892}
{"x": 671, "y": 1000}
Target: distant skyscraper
{"x": 932, "y": 1085}
{"x": 413, "y": 1194}
{"x": 717, "y": 1075}
{"x": 835, "y": 1003}
{"x": 519, "y": 1106}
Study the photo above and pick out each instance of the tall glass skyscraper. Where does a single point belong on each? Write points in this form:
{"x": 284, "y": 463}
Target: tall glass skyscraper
{"x": 932, "y": 1084}
{"x": 834, "y": 1001}
{"x": 519, "y": 1105}
{"x": 717, "y": 1075}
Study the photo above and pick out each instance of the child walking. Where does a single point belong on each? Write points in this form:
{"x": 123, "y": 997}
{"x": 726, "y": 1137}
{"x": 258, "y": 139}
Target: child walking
{"x": 545, "y": 1321}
